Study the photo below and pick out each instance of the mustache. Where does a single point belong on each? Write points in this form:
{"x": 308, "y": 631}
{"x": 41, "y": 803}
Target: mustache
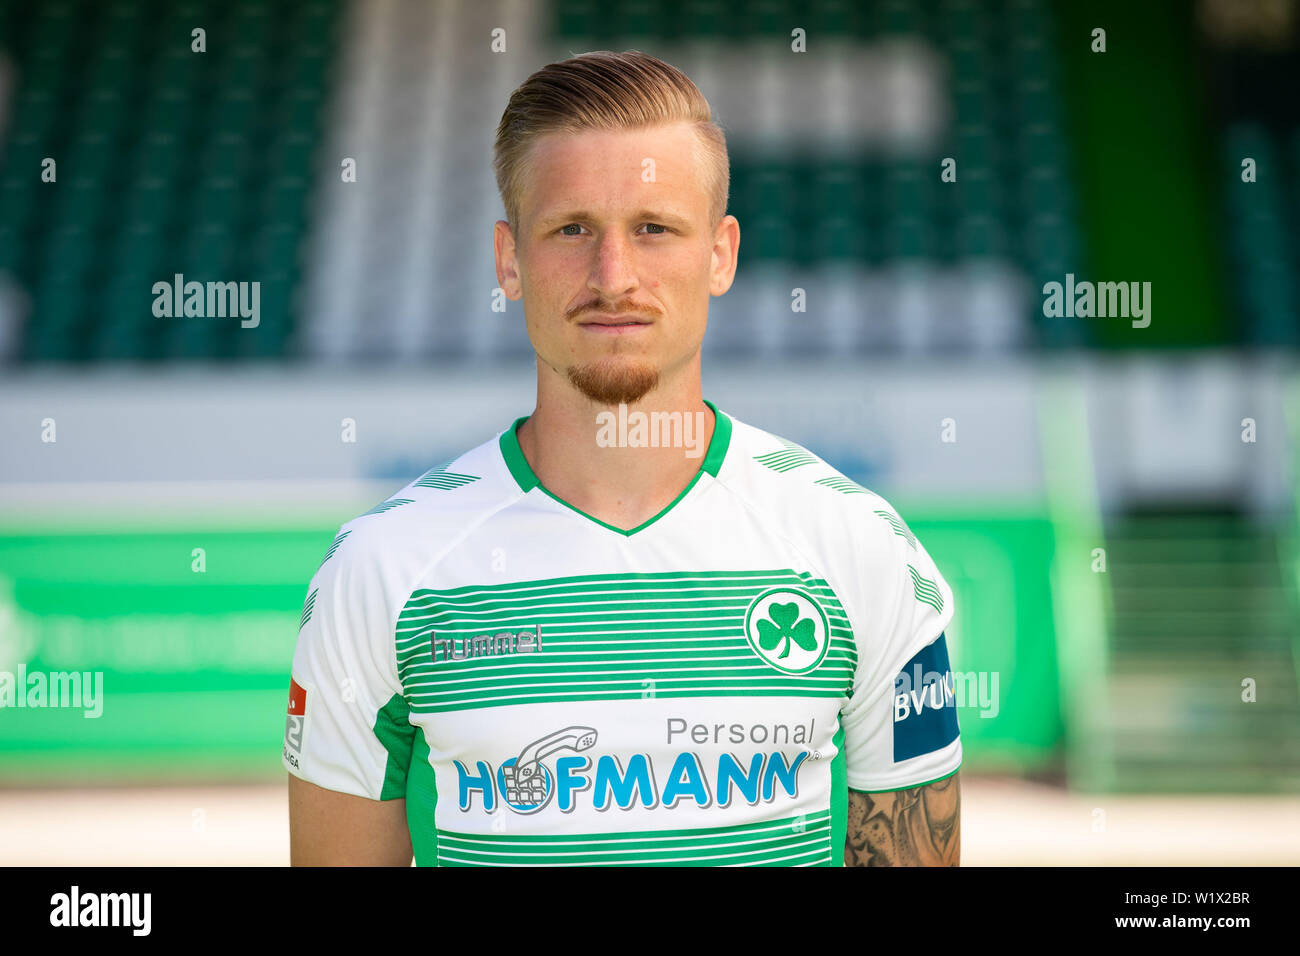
{"x": 621, "y": 309}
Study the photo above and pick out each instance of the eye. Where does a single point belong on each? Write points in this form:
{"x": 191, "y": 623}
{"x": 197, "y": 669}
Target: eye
{"x": 656, "y": 229}
{"x": 564, "y": 230}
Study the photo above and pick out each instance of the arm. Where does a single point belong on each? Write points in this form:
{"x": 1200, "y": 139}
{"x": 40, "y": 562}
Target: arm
{"x": 916, "y": 827}
{"x": 328, "y": 828}
{"x": 347, "y": 739}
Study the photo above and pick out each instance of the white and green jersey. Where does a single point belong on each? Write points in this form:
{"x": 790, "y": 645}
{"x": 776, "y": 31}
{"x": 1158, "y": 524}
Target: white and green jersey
{"x": 545, "y": 688}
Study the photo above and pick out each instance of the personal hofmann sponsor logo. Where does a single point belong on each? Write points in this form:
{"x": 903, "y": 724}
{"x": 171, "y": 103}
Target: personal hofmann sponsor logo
{"x": 60, "y": 689}
{"x": 526, "y": 784}
{"x": 788, "y": 630}
{"x": 487, "y": 645}
{"x": 102, "y": 909}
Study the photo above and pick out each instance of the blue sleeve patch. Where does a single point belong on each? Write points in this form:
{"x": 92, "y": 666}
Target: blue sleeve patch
{"x": 925, "y": 705}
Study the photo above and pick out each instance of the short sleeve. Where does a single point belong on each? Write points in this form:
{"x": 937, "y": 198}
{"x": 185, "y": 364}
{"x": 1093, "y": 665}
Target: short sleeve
{"x": 900, "y": 724}
{"x": 347, "y": 726}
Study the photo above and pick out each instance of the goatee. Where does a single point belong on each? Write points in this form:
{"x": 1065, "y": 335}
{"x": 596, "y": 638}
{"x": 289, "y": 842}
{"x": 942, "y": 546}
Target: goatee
{"x": 614, "y": 382}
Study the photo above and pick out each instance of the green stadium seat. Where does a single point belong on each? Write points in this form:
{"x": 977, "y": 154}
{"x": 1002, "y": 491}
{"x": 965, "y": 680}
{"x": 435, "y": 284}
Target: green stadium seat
{"x": 705, "y": 19}
{"x": 962, "y": 18}
{"x": 82, "y": 199}
{"x": 126, "y": 17}
{"x": 276, "y": 246}
{"x": 910, "y": 237}
{"x": 1045, "y": 189}
{"x": 149, "y": 200}
{"x": 1034, "y": 104}
{"x": 1041, "y": 144}
{"x": 285, "y": 200}
{"x": 910, "y": 190}
{"x": 304, "y": 65}
{"x": 637, "y": 18}
{"x": 19, "y": 192}
{"x": 292, "y": 151}
{"x": 1049, "y": 245}
{"x": 235, "y": 110}
{"x": 178, "y": 67}
{"x": 194, "y": 12}
{"x": 977, "y": 191}
{"x": 970, "y": 62}
{"x": 128, "y": 328}
{"x": 139, "y": 247}
{"x": 301, "y": 108}
{"x": 227, "y": 154}
{"x": 313, "y": 23}
{"x": 162, "y": 155}
{"x": 899, "y": 17}
{"x": 13, "y": 243}
{"x": 209, "y": 251}
{"x": 766, "y": 19}
{"x": 837, "y": 203}
{"x": 576, "y": 17}
{"x": 94, "y": 150}
{"x": 981, "y": 237}
{"x": 249, "y": 18}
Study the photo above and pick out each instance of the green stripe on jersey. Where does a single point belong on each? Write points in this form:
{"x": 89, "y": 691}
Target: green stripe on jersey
{"x": 611, "y": 637}
{"x": 388, "y": 505}
{"x": 795, "y": 841}
{"x": 444, "y": 480}
{"x": 843, "y": 485}
{"x": 793, "y": 456}
{"x": 333, "y": 548}
{"x": 307, "y": 609}
{"x": 900, "y": 527}
{"x": 926, "y": 590}
{"x": 393, "y": 729}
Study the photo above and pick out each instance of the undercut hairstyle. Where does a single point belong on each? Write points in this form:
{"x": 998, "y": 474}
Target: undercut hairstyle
{"x": 603, "y": 90}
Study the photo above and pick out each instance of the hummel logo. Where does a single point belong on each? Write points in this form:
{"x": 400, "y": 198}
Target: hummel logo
{"x": 488, "y": 645}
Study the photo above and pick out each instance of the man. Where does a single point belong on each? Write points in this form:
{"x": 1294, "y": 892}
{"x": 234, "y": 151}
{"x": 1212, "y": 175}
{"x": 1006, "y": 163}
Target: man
{"x": 629, "y": 629}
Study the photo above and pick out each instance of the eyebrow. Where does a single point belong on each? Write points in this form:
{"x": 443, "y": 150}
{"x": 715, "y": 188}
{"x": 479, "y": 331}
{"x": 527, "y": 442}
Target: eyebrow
{"x": 581, "y": 215}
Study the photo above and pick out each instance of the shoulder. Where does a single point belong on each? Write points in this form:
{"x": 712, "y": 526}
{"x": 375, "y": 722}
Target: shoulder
{"x": 407, "y": 532}
{"x": 812, "y": 503}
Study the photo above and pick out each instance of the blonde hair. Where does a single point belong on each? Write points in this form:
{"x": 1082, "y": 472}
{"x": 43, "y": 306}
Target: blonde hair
{"x": 603, "y": 90}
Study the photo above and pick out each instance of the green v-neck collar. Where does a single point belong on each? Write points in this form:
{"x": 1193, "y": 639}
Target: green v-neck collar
{"x": 523, "y": 474}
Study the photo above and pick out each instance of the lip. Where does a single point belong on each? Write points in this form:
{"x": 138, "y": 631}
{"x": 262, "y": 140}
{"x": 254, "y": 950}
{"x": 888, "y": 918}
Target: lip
{"x": 614, "y": 324}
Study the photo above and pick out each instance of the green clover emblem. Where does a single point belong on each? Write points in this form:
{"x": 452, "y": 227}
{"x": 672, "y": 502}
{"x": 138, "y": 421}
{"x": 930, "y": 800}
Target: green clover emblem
{"x": 782, "y": 629}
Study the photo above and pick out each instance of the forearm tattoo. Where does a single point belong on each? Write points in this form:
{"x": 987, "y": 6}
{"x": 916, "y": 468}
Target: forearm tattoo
{"x": 917, "y": 827}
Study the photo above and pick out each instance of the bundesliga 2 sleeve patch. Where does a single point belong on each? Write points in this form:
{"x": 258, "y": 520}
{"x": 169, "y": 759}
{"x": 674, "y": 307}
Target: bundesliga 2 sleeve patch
{"x": 925, "y": 705}
{"x": 295, "y": 725}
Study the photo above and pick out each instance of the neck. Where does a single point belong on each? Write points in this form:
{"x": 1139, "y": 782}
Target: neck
{"x": 603, "y": 460}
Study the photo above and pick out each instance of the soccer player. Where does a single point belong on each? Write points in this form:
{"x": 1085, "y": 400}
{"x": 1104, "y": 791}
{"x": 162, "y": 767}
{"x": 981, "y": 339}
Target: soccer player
{"x": 629, "y": 629}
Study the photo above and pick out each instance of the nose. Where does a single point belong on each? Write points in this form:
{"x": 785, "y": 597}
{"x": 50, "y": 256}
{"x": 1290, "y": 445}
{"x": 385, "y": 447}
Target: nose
{"x": 613, "y": 272}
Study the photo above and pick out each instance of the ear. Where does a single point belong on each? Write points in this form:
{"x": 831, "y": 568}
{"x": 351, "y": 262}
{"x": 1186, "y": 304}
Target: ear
{"x": 503, "y": 245}
{"x": 726, "y": 249}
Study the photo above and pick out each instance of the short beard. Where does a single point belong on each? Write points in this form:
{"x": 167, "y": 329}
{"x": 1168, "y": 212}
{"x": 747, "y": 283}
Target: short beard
{"x": 614, "y": 383}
